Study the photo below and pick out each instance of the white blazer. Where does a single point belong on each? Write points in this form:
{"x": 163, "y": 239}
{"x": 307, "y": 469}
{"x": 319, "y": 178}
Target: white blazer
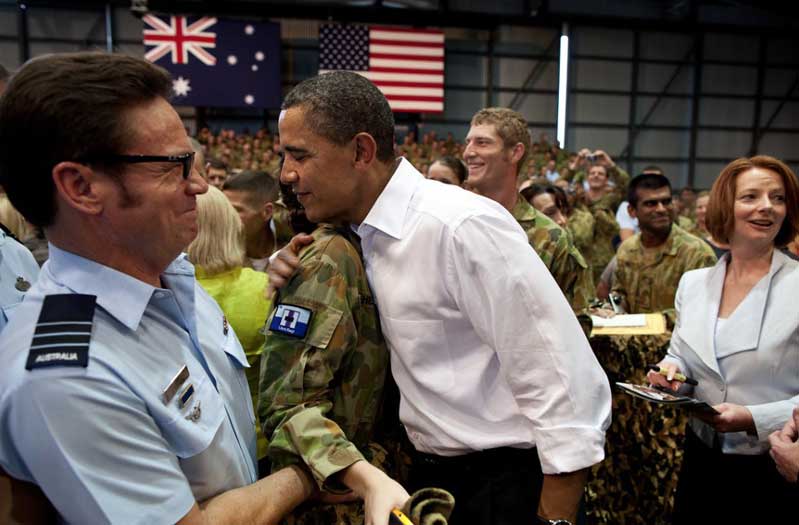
{"x": 754, "y": 358}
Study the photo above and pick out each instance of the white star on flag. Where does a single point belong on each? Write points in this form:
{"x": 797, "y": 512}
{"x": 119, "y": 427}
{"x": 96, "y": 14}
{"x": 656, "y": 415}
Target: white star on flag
{"x": 181, "y": 86}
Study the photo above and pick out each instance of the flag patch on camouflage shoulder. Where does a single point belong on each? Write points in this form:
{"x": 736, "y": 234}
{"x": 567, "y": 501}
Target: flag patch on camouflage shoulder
{"x": 291, "y": 320}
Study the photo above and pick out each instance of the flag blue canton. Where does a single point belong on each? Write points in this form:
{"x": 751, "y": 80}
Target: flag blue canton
{"x": 243, "y": 69}
{"x": 344, "y": 47}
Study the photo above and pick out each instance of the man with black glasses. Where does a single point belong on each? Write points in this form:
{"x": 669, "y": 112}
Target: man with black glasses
{"x": 123, "y": 394}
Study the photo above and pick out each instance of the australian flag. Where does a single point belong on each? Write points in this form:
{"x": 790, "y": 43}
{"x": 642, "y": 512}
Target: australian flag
{"x": 216, "y": 62}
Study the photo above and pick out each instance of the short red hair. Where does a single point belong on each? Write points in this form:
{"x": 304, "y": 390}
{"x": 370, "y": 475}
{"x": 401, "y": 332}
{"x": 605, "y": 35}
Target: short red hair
{"x": 720, "y": 218}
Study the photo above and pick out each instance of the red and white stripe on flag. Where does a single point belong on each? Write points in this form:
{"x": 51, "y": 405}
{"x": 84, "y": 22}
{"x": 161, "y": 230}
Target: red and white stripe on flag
{"x": 407, "y": 65}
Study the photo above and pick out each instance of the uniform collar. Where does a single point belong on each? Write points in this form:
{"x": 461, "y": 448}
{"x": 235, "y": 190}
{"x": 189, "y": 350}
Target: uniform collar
{"x": 389, "y": 210}
{"x": 523, "y": 210}
{"x": 124, "y": 297}
{"x": 667, "y": 248}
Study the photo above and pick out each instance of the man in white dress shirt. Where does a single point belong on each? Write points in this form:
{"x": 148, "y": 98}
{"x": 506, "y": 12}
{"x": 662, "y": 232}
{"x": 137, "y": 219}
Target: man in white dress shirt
{"x": 500, "y": 393}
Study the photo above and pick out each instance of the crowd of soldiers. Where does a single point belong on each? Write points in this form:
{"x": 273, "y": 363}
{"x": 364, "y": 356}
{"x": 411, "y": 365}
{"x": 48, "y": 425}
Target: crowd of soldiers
{"x": 407, "y": 339}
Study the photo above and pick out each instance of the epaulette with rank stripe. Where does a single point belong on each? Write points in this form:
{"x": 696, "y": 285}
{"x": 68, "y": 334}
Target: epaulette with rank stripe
{"x": 63, "y": 332}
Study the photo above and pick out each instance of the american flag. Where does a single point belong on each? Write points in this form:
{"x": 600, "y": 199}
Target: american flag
{"x": 407, "y": 65}
{"x": 216, "y": 62}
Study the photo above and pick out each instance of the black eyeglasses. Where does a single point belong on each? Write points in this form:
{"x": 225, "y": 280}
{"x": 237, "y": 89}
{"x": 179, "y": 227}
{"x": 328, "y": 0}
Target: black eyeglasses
{"x": 184, "y": 159}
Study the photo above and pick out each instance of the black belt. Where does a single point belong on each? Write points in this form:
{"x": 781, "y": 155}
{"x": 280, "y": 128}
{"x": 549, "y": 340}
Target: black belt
{"x": 480, "y": 458}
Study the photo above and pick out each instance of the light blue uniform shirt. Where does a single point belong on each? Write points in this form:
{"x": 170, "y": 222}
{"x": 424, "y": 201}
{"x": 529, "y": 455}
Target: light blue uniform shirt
{"x": 15, "y": 262}
{"x": 100, "y": 441}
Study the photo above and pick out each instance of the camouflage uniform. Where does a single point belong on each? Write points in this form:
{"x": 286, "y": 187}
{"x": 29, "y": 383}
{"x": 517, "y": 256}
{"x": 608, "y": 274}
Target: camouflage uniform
{"x": 558, "y": 253}
{"x": 319, "y": 395}
{"x": 598, "y": 248}
{"x": 686, "y": 223}
{"x": 648, "y": 281}
{"x": 581, "y": 226}
{"x": 283, "y": 230}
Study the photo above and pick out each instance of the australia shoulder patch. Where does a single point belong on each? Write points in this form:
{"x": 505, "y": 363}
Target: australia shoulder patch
{"x": 63, "y": 332}
{"x": 291, "y": 320}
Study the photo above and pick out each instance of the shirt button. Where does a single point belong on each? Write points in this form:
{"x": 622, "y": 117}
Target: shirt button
{"x": 159, "y": 295}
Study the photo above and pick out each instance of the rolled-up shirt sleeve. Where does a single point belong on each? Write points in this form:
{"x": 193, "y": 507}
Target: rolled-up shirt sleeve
{"x": 517, "y": 309}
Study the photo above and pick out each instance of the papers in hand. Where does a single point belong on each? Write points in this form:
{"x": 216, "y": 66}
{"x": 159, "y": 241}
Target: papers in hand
{"x": 656, "y": 395}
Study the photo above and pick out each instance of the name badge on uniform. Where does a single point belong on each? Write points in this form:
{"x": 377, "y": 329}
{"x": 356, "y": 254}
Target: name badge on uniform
{"x": 291, "y": 320}
{"x": 173, "y": 386}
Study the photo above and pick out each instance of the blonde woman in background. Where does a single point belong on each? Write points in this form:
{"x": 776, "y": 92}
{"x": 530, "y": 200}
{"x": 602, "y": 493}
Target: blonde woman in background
{"x": 218, "y": 257}
{"x": 14, "y": 221}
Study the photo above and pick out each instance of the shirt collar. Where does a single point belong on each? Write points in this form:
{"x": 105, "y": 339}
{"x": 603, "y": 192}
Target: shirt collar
{"x": 389, "y": 210}
{"x": 124, "y": 297}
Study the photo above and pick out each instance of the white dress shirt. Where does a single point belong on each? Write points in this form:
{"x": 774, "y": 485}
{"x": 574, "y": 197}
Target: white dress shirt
{"x": 484, "y": 347}
{"x": 626, "y": 222}
{"x": 751, "y": 358}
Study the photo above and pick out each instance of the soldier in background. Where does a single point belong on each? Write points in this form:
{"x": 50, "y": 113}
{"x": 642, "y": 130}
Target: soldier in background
{"x": 650, "y": 264}
{"x": 253, "y": 194}
{"x": 497, "y": 146}
{"x": 323, "y": 367}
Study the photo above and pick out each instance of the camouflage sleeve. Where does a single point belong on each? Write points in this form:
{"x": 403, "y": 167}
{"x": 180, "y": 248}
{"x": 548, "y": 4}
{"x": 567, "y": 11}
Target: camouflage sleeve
{"x": 584, "y": 290}
{"x": 581, "y": 225}
{"x": 605, "y": 222}
{"x": 301, "y": 377}
{"x": 702, "y": 257}
{"x": 565, "y": 268}
{"x": 620, "y": 277}
{"x": 621, "y": 178}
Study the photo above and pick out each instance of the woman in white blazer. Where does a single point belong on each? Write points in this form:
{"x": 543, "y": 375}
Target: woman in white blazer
{"x": 737, "y": 334}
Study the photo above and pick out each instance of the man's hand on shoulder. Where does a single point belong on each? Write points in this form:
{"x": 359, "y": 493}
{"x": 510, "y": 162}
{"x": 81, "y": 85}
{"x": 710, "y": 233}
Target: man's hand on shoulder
{"x": 380, "y": 493}
{"x": 285, "y": 262}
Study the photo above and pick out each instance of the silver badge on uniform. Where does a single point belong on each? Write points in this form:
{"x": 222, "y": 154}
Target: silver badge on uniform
{"x": 173, "y": 386}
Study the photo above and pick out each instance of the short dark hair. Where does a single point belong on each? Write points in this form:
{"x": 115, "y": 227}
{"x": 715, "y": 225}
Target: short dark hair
{"x": 456, "y": 165}
{"x": 653, "y": 169}
{"x": 218, "y": 164}
{"x": 341, "y": 104}
{"x": 561, "y": 201}
{"x": 68, "y": 107}
{"x": 260, "y": 186}
{"x": 4, "y": 74}
{"x": 647, "y": 181}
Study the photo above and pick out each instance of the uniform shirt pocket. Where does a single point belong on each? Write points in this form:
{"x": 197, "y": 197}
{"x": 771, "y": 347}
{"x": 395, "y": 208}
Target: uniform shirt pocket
{"x": 238, "y": 359}
{"x": 196, "y": 421}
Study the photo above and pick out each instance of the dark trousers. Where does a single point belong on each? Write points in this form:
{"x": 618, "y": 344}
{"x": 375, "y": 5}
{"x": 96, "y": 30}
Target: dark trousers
{"x": 500, "y": 486}
{"x": 730, "y": 488}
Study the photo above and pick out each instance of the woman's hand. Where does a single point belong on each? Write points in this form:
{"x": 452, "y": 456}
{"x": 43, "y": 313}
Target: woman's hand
{"x": 656, "y": 378}
{"x": 731, "y": 418}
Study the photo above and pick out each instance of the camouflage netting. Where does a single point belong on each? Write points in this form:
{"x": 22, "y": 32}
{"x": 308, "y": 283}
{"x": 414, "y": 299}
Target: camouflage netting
{"x": 636, "y": 482}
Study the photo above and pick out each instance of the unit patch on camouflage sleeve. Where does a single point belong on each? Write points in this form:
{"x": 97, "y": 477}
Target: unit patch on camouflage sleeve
{"x": 291, "y": 320}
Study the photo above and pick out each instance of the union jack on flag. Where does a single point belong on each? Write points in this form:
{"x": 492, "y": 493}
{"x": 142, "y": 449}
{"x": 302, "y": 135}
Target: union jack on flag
{"x": 180, "y": 38}
{"x": 216, "y": 62}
